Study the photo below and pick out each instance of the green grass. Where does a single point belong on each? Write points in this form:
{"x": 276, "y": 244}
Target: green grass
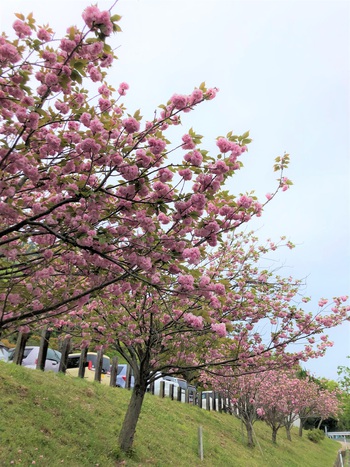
{"x": 54, "y": 420}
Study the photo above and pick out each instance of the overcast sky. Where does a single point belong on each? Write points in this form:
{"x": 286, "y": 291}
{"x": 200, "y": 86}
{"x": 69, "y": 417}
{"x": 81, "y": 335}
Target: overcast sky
{"x": 282, "y": 68}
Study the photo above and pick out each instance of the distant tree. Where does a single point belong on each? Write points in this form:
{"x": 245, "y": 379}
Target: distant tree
{"x": 328, "y": 396}
{"x": 344, "y": 378}
{"x": 344, "y": 383}
{"x": 278, "y": 397}
{"x": 242, "y": 391}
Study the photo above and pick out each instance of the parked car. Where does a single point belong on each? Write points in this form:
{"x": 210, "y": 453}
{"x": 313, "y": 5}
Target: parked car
{"x": 168, "y": 381}
{"x": 184, "y": 386}
{"x": 208, "y": 396}
{"x": 91, "y": 358}
{"x": 3, "y": 352}
{"x": 30, "y": 358}
{"x": 121, "y": 377}
{"x": 189, "y": 387}
{"x": 182, "y": 383}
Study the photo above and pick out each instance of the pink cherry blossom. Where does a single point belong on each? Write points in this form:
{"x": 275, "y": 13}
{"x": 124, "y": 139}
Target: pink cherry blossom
{"x": 22, "y": 29}
{"x": 131, "y": 125}
{"x": 219, "y": 328}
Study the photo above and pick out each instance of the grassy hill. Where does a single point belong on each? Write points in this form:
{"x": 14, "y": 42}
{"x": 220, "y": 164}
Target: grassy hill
{"x": 53, "y": 420}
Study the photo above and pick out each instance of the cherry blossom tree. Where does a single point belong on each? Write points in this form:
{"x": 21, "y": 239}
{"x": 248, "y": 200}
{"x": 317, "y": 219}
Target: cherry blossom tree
{"x": 111, "y": 232}
{"x": 207, "y": 319}
{"x": 85, "y": 186}
{"x": 242, "y": 391}
{"x": 316, "y": 400}
{"x": 283, "y": 398}
{"x": 279, "y": 397}
{"x": 328, "y": 405}
{"x": 269, "y": 395}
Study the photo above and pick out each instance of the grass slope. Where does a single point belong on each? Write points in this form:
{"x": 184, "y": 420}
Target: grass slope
{"x": 53, "y": 420}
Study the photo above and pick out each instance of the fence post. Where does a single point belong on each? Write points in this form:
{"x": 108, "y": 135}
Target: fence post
{"x": 20, "y": 346}
{"x": 128, "y": 377}
{"x": 44, "y": 344}
{"x": 98, "y": 367}
{"x": 65, "y": 352}
{"x": 220, "y": 402}
{"x": 82, "y": 362}
{"x": 230, "y": 406}
{"x": 200, "y": 442}
{"x": 200, "y": 400}
{"x": 214, "y": 401}
{"x": 179, "y": 394}
{"x": 187, "y": 396}
{"x": 162, "y": 388}
{"x": 114, "y": 371}
{"x": 194, "y": 397}
{"x": 207, "y": 401}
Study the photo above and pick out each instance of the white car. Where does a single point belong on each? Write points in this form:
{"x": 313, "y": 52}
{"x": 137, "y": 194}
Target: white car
{"x": 30, "y": 358}
{"x": 122, "y": 374}
{"x": 184, "y": 387}
{"x": 169, "y": 382}
{"x": 208, "y": 397}
{"x": 3, "y": 353}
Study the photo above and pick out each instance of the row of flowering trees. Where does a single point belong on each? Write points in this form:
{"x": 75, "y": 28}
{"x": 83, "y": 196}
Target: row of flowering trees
{"x": 279, "y": 397}
{"x": 110, "y": 233}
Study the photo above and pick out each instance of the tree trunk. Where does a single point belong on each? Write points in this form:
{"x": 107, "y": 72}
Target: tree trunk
{"x": 65, "y": 352}
{"x": 249, "y": 428}
{"x": 82, "y": 362}
{"x": 274, "y": 435}
{"x": 114, "y": 372}
{"x": 289, "y": 435}
{"x": 301, "y": 428}
{"x": 20, "y": 346}
{"x": 127, "y": 433}
{"x": 319, "y": 424}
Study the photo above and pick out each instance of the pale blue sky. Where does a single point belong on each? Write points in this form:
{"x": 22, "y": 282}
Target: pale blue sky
{"x": 282, "y": 68}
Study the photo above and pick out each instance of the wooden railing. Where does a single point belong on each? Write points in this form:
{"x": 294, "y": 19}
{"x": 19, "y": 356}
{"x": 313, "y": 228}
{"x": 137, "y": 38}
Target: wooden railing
{"x": 212, "y": 400}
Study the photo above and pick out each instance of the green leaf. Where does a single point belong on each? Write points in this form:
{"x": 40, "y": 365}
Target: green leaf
{"x": 75, "y": 76}
{"x": 71, "y": 33}
{"x": 41, "y": 112}
{"x": 137, "y": 115}
{"x": 63, "y": 80}
{"x": 80, "y": 66}
{"x": 26, "y": 89}
{"x": 107, "y": 48}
